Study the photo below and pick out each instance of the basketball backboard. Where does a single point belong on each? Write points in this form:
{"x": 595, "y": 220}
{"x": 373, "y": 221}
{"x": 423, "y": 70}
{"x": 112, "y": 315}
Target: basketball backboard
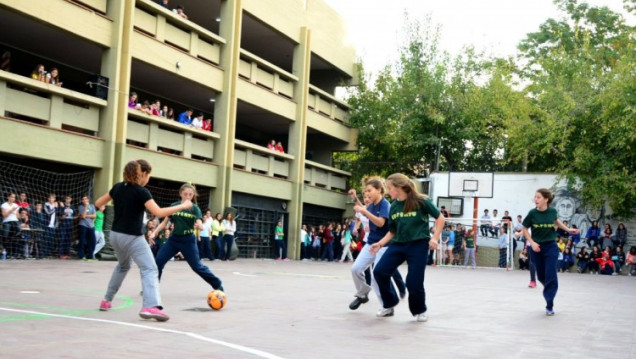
{"x": 470, "y": 184}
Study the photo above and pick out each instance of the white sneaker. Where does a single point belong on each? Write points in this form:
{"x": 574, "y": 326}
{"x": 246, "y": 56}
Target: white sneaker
{"x": 422, "y": 317}
{"x": 384, "y": 312}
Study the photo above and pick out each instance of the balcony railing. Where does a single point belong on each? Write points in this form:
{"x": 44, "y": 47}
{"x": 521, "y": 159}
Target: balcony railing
{"x": 167, "y": 27}
{"x": 330, "y": 178}
{"x": 259, "y": 159}
{"x": 270, "y": 76}
{"x": 163, "y": 135}
{"x": 97, "y": 5}
{"x": 57, "y": 107}
{"x": 327, "y": 105}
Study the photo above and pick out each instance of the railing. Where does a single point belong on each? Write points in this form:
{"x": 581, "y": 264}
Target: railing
{"x": 327, "y": 105}
{"x": 330, "y": 178}
{"x": 54, "y": 106}
{"x": 97, "y": 5}
{"x": 163, "y": 135}
{"x": 165, "y": 26}
{"x": 259, "y": 159}
{"x": 270, "y": 76}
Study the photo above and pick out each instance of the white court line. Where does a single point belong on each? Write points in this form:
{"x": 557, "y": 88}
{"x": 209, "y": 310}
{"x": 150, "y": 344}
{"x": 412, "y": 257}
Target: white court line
{"x": 256, "y": 352}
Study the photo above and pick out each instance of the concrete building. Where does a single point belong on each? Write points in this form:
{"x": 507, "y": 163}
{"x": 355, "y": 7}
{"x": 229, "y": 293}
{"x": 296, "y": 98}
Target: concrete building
{"x": 261, "y": 69}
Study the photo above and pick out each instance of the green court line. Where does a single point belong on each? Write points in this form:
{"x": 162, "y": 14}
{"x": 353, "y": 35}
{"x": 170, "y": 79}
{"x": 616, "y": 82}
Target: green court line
{"x": 64, "y": 311}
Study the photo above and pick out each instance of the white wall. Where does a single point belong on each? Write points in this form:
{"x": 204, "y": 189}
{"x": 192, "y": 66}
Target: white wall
{"x": 514, "y": 192}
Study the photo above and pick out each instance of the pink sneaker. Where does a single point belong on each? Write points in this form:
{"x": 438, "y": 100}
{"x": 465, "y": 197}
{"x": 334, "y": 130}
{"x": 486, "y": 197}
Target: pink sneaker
{"x": 286, "y": 259}
{"x": 105, "y": 305}
{"x": 154, "y": 313}
{"x": 532, "y": 284}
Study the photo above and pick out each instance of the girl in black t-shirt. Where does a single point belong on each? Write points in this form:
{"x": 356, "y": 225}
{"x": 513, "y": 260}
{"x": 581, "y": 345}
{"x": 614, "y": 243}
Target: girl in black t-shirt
{"x": 130, "y": 199}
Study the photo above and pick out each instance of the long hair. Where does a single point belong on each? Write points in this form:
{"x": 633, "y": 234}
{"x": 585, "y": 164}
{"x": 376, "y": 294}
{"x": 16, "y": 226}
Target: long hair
{"x": 413, "y": 196}
{"x": 192, "y": 187}
{"x": 546, "y": 193}
{"x": 134, "y": 169}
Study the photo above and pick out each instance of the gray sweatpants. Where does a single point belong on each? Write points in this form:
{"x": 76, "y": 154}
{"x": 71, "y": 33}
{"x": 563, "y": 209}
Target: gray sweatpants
{"x": 129, "y": 247}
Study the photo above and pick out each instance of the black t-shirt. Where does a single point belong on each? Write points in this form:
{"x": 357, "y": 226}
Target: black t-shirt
{"x": 130, "y": 201}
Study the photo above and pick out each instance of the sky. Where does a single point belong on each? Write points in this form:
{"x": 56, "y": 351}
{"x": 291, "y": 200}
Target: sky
{"x": 493, "y": 26}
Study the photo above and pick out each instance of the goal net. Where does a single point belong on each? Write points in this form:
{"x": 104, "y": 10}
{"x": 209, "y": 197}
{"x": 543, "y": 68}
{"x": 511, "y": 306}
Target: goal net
{"x": 493, "y": 246}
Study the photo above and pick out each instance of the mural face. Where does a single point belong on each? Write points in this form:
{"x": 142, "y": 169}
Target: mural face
{"x": 568, "y": 206}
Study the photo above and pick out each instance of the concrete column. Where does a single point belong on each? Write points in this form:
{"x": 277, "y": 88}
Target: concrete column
{"x": 297, "y": 141}
{"x": 225, "y": 107}
{"x": 116, "y": 65}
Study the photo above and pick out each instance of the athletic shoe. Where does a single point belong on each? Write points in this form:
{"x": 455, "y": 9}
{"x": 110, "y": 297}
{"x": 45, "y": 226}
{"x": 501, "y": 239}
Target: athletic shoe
{"x": 549, "y": 312}
{"x": 356, "y": 302}
{"x": 532, "y": 284}
{"x": 286, "y": 259}
{"x": 277, "y": 258}
{"x": 154, "y": 313}
{"x": 384, "y": 312}
{"x": 105, "y": 306}
{"x": 422, "y": 317}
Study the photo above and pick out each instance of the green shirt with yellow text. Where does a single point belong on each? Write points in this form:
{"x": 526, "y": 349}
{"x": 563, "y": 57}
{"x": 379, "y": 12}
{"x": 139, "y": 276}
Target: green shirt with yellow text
{"x": 411, "y": 226}
{"x": 184, "y": 220}
{"x": 542, "y": 224}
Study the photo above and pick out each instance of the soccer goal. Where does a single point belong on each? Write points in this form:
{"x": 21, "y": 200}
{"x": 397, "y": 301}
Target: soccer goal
{"x": 462, "y": 237}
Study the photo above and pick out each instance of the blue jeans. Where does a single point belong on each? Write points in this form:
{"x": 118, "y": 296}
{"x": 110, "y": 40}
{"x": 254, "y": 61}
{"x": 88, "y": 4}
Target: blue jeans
{"x": 225, "y": 247}
{"x": 187, "y": 245}
{"x": 205, "y": 250}
{"x": 65, "y": 230}
{"x": 415, "y": 254}
{"x": 328, "y": 250}
{"x": 281, "y": 250}
{"x": 86, "y": 245}
{"x": 582, "y": 266}
{"x": 545, "y": 262}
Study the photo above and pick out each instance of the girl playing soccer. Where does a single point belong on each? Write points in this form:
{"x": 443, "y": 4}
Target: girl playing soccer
{"x": 130, "y": 200}
{"x": 410, "y": 240}
{"x": 543, "y": 221}
{"x": 182, "y": 238}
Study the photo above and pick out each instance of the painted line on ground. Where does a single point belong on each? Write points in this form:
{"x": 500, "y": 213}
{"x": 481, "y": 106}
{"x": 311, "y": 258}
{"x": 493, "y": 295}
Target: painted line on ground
{"x": 241, "y": 348}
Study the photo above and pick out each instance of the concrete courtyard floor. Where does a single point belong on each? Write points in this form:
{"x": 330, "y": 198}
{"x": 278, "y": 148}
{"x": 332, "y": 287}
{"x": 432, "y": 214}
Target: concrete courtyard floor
{"x": 48, "y": 309}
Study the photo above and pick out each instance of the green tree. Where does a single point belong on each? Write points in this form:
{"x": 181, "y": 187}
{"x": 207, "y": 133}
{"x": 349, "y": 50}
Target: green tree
{"x": 427, "y": 102}
{"x": 582, "y": 124}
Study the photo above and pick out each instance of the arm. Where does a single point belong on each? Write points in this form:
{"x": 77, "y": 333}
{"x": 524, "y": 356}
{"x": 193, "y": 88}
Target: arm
{"x": 154, "y": 208}
{"x": 198, "y": 225}
{"x": 533, "y": 244}
{"x": 375, "y": 247}
{"x": 560, "y": 224}
{"x": 103, "y": 200}
{"x": 439, "y": 224}
{"x": 159, "y": 228}
{"x": 354, "y": 197}
{"x": 378, "y": 221}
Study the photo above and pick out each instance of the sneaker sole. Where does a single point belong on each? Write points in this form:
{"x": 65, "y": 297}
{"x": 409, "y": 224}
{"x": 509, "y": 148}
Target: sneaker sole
{"x": 158, "y": 318}
{"x": 104, "y": 309}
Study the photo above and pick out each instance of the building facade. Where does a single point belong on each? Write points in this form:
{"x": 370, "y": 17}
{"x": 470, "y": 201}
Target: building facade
{"x": 262, "y": 70}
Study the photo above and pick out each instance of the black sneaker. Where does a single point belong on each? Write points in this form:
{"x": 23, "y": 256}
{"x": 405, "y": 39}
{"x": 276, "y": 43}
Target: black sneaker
{"x": 356, "y": 302}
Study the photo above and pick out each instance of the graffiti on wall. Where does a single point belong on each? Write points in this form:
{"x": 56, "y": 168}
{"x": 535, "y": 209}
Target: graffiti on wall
{"x": 570, "y": 208}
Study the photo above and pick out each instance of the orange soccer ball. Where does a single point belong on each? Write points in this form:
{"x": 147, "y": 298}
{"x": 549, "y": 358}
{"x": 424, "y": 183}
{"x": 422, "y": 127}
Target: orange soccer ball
{"x": 217, "y": 299}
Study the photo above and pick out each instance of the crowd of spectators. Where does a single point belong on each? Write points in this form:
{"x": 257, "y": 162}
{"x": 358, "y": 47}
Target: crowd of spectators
{"x": 155, "y": 109}
{"x": 51, "y": 228}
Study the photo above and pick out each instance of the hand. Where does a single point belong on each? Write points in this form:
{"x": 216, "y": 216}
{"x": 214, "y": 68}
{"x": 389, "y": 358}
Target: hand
{"x": 432, "y": 244}
{"x": 375, "y": 248}
{"x": 352, "y": 194}
{"x": 358, "y": 208}
{"x": 574, "y": 230}
{"x": 187, "y": 204}
{"x": 151, "y": 241}
{"x": 536, "y": 247}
